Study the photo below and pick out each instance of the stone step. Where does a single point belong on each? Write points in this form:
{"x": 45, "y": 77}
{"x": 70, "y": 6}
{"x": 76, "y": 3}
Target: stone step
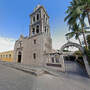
{"x": 27, "y": 69}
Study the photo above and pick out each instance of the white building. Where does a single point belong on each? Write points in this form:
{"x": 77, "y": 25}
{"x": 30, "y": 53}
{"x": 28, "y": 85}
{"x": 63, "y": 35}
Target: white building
{"x": 36, "y": 49}
{"x": 33, "y": 48}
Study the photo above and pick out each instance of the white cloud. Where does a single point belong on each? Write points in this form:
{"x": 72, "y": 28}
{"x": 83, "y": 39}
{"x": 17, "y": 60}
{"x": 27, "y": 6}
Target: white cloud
{"x": 57, "y": 41}
{"x": 6, "y": 44}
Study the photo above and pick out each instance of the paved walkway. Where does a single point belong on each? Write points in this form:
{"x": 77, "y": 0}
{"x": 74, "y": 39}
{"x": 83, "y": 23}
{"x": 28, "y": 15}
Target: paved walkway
{"x": 12, "y": 79}
{"x": 48, "y": 82}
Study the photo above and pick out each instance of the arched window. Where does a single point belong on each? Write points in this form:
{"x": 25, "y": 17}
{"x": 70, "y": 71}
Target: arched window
{"x": 38, "y": 16}
{"x": 46, "y": 19}
{"x": 45, "y": 29}
{"x": 33, "y": 31}
{"x": 34, "y": 19}
{"x": 34, "y": 56}
{"x": 37, "y": 29}
{"x": 44, "y": 16}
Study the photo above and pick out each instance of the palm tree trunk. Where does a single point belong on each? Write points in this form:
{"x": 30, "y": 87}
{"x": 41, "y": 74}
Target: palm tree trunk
{"x": 88, "y": 13}
{"x": 88, "y": 17}
{"x": 79, "y": 41}
{"x": 83, "y": 34}
{"x": 84, "y": 37}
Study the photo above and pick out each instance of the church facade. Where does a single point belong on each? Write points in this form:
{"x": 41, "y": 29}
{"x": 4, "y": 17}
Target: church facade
{"x": 33, "y": 49}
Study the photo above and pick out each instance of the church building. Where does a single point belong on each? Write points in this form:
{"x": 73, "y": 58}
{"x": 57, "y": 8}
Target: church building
{"x": 33, "y": 49}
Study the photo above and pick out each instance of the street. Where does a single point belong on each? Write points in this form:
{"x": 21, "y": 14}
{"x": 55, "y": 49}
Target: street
{"x": 12, "y": 79}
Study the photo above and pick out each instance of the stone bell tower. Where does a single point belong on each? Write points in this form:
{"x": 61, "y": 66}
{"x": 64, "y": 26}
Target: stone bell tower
{"x": 39, "y": 21}
{"x": 39, "y": 25}
{"x": 40, "y": 30}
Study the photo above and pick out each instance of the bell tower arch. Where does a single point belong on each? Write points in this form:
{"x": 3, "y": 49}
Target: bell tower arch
{"x": 39, "y": 21}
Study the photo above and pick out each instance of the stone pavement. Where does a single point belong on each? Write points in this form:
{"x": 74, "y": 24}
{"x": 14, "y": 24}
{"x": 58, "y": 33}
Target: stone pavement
{"x": 34, "y": 70}
{"x": 13, "y": 79}
{"x": 49, "y": 82}
{"x": 25, "y": 68}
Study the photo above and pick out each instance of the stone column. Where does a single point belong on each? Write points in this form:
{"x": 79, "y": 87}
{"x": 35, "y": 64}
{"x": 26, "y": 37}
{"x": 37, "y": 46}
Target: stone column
{"x": 62, "y": 63}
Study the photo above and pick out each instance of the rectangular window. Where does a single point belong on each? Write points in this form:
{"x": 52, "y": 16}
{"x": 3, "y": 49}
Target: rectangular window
{"x": 9, "y": 55}
{"x": 1, "y": 56}
{"x": 34, "y": 41}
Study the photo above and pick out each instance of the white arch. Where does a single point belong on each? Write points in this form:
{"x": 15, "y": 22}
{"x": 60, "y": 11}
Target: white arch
{"x": 82, "y": 51}
{"x": 72, "y": 44}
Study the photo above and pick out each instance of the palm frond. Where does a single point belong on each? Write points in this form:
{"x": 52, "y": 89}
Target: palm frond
{"x": 70, "y": 35}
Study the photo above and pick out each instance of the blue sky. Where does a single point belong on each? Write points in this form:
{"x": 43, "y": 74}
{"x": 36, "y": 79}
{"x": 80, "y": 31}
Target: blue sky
{"x": 14, "y": 18}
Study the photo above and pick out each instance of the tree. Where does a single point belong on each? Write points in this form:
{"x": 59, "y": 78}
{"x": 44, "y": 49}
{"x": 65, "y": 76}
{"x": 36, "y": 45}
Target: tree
{"x": 85, "y": 8}
{"x": 75, "y": 32}
{"x": 76, "y": 13}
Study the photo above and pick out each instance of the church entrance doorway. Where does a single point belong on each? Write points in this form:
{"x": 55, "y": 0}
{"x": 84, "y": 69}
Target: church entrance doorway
{"x": 19, "y": 57}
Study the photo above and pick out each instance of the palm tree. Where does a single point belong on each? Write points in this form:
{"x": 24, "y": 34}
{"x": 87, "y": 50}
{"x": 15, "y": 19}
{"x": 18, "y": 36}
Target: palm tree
{"x": 85, "y": 4}
{"x": 76, "y": 14}
{"x": 88, "y": 10}
{"x": 73, "y": 12}
{"x": 74, "y": 32}
{"x": 84, "y": 7}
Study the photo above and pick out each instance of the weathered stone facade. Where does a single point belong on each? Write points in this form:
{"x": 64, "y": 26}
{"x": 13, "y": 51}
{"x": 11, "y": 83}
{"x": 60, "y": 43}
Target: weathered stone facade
{"x": 33, "y": 48}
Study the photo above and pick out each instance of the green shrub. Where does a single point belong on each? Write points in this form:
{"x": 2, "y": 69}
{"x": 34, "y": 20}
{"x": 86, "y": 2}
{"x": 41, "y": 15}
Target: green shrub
{"x": 80, "y": 60}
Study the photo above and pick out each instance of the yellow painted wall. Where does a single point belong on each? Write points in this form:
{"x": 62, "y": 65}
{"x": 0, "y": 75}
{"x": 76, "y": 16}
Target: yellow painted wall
{"x": 6, "y": 56}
